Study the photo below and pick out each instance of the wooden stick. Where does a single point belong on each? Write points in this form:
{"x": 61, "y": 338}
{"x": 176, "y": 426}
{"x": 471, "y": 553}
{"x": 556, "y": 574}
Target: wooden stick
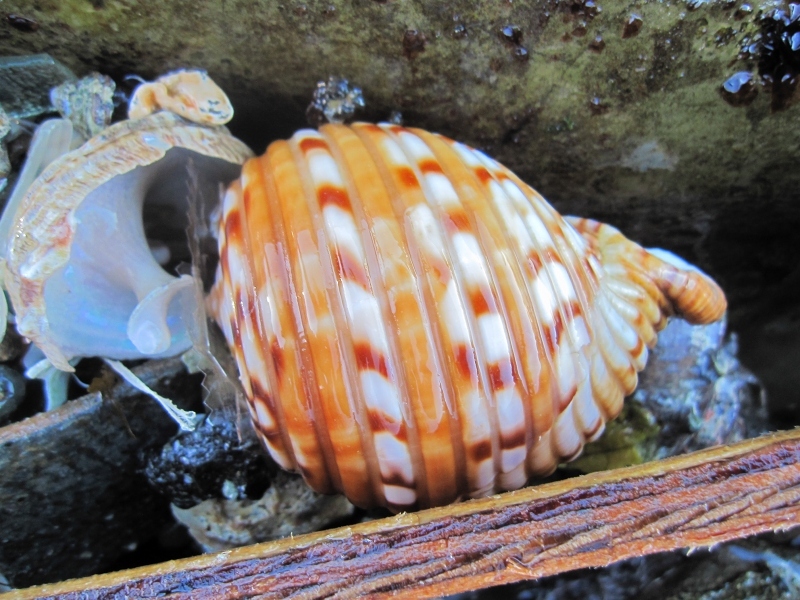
{"x": 690, "y": 501}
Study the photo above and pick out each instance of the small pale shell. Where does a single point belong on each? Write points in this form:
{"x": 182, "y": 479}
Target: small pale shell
{"x": 79, "y": 272}
{"x": 191, "y": 94}
{"x": 414, "y": 324}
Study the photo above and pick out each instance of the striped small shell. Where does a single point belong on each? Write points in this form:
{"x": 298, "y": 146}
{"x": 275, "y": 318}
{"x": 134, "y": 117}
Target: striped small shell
{"x": 414, "y": 324}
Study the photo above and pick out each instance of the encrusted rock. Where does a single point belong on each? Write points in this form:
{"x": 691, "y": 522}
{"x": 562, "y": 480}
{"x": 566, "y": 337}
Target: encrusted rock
{"x": 288, "y": 507}
{"x": 215, "y": 460}
{"x": 88, "y": 103}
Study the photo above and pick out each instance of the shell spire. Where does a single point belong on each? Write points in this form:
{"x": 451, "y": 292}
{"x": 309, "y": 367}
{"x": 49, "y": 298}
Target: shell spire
{"x": 413, "y": 324}
{"x": 691, "y": 294}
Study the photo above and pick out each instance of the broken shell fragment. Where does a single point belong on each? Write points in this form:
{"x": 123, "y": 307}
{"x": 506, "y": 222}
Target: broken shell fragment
{"x": 51, "y": 140}
{"x": 191, "y": 94}
{"x": 79, "y": 270}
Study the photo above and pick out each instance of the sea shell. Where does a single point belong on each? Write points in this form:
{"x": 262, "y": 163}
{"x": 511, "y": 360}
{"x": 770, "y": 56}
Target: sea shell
{"x": 414, "y": 324}
{"x": 79, "y": 271}
{"x": 192, "y": 94}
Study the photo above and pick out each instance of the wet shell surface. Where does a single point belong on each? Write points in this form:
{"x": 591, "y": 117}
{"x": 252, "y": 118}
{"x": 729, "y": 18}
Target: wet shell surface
{"x": 413, "y": 324}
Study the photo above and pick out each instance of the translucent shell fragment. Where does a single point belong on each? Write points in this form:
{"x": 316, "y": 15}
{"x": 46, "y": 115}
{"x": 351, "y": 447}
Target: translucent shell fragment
{"x": 81, "y": 276}
{"x": 413, "y": 324}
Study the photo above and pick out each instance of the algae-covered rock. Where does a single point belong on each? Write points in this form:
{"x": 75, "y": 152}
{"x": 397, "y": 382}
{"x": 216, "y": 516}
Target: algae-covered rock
{"x": 588, "y": 99}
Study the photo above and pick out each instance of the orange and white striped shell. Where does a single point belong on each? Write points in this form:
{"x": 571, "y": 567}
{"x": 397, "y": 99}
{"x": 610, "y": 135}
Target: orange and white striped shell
{"x": 414, "y": 324}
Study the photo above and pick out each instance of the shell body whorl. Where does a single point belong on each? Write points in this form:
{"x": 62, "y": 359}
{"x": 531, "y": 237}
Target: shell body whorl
{"x": 414, "y": 324}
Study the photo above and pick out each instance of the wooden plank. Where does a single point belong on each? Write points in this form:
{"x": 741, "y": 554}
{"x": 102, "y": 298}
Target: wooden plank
{"x": 690, "y": 501}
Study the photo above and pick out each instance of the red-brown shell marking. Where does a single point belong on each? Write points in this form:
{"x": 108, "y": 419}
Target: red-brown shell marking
{"x": 414, "y": 324}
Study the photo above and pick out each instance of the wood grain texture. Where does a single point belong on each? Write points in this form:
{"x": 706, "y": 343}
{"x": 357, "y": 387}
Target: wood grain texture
{"x": 696, "y": 500}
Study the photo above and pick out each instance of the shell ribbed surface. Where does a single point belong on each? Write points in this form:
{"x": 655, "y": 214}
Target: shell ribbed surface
{"x": 413, "y": 324}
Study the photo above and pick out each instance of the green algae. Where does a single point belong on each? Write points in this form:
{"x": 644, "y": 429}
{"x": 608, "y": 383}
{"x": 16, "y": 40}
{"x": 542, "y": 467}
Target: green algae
{"x": 630, "y": 439}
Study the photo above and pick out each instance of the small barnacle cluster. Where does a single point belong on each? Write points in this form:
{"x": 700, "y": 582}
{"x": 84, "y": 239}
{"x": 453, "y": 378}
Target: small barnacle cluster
{"x": 88, "y": 104}
{"x": 775, "y": 49}
{"x": 512, "y": 35}
{"x": 335, "y": 101}
{"x": 581, "y": 12}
